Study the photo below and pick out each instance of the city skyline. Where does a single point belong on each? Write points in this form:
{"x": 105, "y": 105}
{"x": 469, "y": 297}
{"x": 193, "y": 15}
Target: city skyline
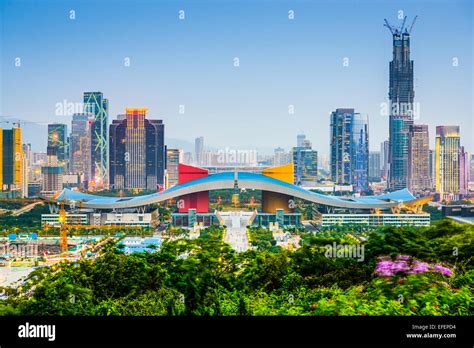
{"x": 236, "y": 158}
{"x": 276, "y": 71}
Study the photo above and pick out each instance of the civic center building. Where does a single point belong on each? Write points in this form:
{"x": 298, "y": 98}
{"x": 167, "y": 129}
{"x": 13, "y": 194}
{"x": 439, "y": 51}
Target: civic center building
{"x": 191, "y": 195}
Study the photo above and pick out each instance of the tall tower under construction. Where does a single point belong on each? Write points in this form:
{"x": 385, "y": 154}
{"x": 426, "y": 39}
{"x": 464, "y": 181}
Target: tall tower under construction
{"x": 401, "y": 94}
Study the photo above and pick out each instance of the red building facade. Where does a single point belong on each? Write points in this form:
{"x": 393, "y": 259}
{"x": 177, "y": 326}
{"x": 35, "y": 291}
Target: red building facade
{"x": 198, "y": 200}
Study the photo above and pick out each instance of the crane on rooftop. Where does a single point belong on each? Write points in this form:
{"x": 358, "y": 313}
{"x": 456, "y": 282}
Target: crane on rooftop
{"x": 399, "y": 30}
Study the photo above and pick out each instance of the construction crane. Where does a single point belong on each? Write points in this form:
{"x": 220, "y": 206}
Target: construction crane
{"x": 64, "y": 226}
{"x": 412, "y": 25}
{"x": 18, "y": 123}
{"x": 63, "y": 229}
{"x": 399, "y": 30}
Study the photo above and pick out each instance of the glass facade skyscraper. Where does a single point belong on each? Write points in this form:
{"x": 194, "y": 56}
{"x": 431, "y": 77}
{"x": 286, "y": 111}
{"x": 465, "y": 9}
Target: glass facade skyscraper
{"x": 418, "y": 158}
{"x": 57, "y": 137}
{"x": 137, "y": 152}
{"x": 305, "y": 161}
{"x": 97, "y": 106}
{"x": 349, "y": 145}
{"x": 447, "y": 159}
{"x": 360, "y": 152}
{"x": 399, "y": 127}
{"x": 80, "y": 145}
{"x": 401, "y": 92}
{"x": 340, "y": 146}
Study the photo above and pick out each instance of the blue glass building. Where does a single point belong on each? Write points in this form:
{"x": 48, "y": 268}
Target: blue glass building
{"x": 360, "y": 152}
{"x": 349, "y": 145}
{"x": 305, "y": 161}
{"x": 57, "y": 137}
{"x": 98, "y": 107}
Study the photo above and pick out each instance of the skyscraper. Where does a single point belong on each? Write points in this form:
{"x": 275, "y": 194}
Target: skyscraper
{"x": 26, "y": 168}
{"x": 340, "y": 146}
{"x": 305, "y": 161}
{"x": 28, "y": 153}
{"x": 374, "y": 166}
{"x": 398, "y": 151}
{"x": 80, "y": 145}
{"x": 199, "y": 150}
{"x": 360, "y": 152}
{"x": 401, "y": 94}
{"x": 137, "y": 152}
{"x": 57, "y": 137}
{"x": 97, "y": 106}
{"x": 349, "y": 149}
{"x": 173, "y": 158}
{"x": 52, "y": 173}
{"x": 418, "y": 158}
{"x": 11, "y": 161}
{"x": 432, "y": 166}
{"x": 447, "y": 159}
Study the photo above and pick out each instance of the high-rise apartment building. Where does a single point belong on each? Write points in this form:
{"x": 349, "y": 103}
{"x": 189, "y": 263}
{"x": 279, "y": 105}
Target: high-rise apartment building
{"x": 199, "y": 151}
{"x": 349, "y": 145}
{"x": 374, "y": 166}
{"x": 24, "y": 173}
{"x": 447, "y": 159}
{"x": 173, "y": 158}
{"x": 281, "y": 157}
{"x": 418, "y": 158}
{"x": 97, "y": 106}
{"x": 137, "y": 152}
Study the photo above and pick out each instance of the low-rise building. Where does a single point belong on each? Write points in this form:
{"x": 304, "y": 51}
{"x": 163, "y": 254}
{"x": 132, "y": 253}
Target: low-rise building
{"x": 376, "y": 219}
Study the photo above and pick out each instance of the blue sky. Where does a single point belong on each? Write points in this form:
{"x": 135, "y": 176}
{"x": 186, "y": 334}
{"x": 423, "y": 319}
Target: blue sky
{"x": 189, "y": 62}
